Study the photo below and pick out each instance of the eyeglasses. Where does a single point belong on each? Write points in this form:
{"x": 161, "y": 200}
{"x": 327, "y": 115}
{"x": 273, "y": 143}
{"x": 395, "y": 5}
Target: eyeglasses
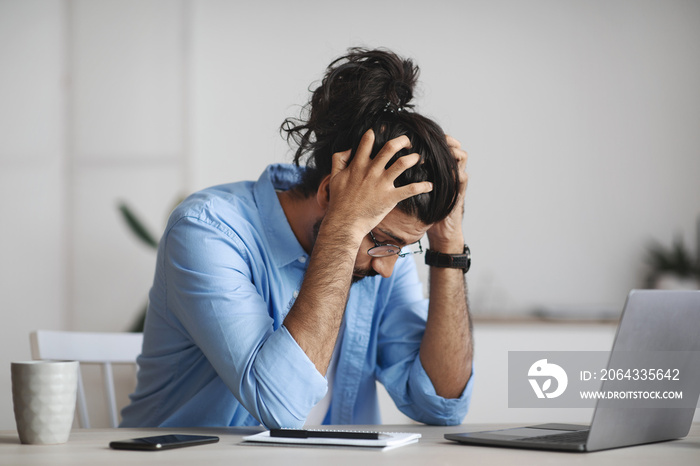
{"x": 386, "y": 249}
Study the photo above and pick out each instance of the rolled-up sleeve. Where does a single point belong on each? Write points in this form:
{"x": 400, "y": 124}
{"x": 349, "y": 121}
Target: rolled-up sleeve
{"x": 399, "y": 367}
{"x": 211, "y": 294}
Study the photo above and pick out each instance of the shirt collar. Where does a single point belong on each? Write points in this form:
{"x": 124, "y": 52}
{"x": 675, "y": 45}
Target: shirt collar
{"x": 283, "y": 244}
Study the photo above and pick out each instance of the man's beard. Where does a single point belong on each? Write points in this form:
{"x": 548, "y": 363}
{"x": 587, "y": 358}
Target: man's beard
{"x": 357, "y": 273}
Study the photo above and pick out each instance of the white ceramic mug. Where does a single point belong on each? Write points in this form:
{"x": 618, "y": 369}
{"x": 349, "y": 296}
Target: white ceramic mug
{"x": 44, "y": 395}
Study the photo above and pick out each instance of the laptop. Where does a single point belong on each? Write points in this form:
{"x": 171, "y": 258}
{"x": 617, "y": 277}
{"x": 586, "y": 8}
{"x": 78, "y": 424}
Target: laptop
{"x": 651, "y": 321}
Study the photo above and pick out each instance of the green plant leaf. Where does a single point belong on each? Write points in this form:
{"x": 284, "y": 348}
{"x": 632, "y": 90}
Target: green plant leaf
{"x": 137, "y": 226}
{"x": 138, "y": 324}
{"x": 676, "y": 259}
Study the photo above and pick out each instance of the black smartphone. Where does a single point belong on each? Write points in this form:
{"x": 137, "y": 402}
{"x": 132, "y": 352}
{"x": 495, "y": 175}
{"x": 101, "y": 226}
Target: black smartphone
{"x": 163, "y": 442}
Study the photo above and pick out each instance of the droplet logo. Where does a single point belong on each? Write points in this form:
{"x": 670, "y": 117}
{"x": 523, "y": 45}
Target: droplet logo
{"x": 542, "y": 370}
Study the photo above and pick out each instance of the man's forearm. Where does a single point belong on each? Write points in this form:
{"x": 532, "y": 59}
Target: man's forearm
{"x": 447, "y": 348}
{"x": 314, "y": 319}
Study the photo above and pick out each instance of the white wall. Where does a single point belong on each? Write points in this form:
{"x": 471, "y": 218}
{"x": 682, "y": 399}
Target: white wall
{"x": 127, "y": 134}
{"x": 32, "y": 180}
{"x": 581, "y": 119}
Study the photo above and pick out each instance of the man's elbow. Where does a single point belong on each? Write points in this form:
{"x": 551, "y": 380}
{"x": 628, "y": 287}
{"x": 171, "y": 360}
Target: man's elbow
{"x": 281, "y": 420}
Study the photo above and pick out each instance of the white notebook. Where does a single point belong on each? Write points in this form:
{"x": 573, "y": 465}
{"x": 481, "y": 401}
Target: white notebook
{"x": 386, "y": 440}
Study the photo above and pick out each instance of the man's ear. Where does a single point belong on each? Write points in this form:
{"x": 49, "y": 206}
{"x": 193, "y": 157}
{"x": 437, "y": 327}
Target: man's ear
{"x": 323, "y": 194}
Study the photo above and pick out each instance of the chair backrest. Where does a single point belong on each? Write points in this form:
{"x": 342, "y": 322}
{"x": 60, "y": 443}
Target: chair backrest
{"x": 104, "y": 349}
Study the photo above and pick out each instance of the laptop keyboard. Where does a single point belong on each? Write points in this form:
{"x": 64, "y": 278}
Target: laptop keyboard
{"x": 576, "y": 437}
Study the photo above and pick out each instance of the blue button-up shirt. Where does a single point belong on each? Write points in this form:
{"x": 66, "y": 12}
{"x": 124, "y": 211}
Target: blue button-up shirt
{"x": 216, "y": 352}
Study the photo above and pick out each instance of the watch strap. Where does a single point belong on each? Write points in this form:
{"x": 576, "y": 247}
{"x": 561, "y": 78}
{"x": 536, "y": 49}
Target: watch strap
{"x": 453, "y": 261}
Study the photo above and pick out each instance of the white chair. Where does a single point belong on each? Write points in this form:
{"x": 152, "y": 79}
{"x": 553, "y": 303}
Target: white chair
{"x": 104, "y": 349}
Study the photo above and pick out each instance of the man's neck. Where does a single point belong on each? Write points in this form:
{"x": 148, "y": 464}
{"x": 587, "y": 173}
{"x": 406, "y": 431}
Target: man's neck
{"x": 302, "y": 214}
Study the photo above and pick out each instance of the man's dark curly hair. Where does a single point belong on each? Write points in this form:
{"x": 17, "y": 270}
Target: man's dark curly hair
{"x": 373, "y": 89}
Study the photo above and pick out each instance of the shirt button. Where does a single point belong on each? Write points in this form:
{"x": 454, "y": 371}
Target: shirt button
{"x": 295, "y": 294}
{"x": 302, "y": 259}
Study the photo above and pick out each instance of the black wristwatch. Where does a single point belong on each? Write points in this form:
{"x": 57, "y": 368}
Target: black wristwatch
{"x": 453, "y": 261}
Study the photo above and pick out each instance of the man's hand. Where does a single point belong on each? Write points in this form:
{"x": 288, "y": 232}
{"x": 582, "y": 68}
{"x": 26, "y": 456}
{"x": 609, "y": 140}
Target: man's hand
{"x": 446, "y": 236}
{"x": 447, "y": 348}
{"x": 362, "y": 191}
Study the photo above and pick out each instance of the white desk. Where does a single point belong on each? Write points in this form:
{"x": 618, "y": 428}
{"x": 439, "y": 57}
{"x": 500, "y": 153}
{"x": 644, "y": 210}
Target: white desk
{"x": 90, "y": 447}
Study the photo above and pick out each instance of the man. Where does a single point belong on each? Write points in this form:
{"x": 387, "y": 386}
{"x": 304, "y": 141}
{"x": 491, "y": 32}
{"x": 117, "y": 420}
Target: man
{"x": 281, "y": 302}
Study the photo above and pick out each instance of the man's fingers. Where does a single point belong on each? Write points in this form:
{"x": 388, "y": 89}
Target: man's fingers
{"x": 413, "y": 189}
{"x": 457, "y": 151}
{"x": 389, "y": 150}
{"x": 340, "y": 161}
{"x": 461, "y": 157}
{"x": 452, "y": 142}
{"x": 402, "y": 164}
{"x": 364, "y": 149}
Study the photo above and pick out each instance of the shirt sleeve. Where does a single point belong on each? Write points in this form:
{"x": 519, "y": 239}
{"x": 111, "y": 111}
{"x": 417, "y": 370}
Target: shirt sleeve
{"x": 399, "y": 367}
{"x": 211, "y": 294}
